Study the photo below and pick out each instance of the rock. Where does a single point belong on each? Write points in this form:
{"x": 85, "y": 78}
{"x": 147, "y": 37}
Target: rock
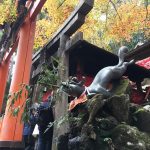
{"x": 101, "y": 144}
{"x": 132, "y": 109}
{"x": 102, "y": 139}
{"x": 96, "y": 124}
{"x": 126, "y": 137}
{"x": 110, "y": 143}
{"x": 86, "y": 141}
{"x": 121, "y": 87}
{"x": 94, "y": 105}
{"x": 88, "y": 131}
{"x": 63, "y": 142}
{"x": 81, "y": 143}
{"x": 103, "y": 128}
{"x": 118, "y": 106}
{"x": 74, "y": 143}
{"x": 142, "y": 119}
{"x": 107, "y": 123}
{"x": 87, "y": 144}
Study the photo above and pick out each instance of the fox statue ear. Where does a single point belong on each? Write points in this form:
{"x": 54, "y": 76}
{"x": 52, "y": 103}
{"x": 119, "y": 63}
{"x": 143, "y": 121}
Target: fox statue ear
{"x": 81, "y": 83}
{"x": 74, "y": 80}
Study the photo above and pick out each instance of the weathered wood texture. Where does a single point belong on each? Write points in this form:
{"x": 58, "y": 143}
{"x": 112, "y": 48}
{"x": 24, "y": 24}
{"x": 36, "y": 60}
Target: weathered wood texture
{"x": 62, "y": 39}
{"x": 36, "y": 92}
{"x": 61, "y": 106}
{"x": 140, "y": 52}
{"x": 73, "y": 41}
{"x": 36, "y": 7}
{"x": 59, "y": 43}
{"x": 74, "y": 21}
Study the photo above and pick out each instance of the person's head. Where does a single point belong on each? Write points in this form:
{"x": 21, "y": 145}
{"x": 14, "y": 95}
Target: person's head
{"x": 34, "y": 108}
{"x": 32, "y": 111}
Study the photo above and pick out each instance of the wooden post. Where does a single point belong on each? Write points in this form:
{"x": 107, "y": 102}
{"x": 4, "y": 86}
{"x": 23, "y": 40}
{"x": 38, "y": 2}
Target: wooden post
{"x": 12, "y": 127}
{"x": 62, "y": 100}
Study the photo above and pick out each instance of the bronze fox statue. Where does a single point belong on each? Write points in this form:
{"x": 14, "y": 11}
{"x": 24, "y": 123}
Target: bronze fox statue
{"x": 100, "y": 83}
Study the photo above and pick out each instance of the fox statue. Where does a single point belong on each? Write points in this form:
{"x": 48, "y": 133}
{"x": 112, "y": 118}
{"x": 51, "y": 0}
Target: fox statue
{"x": 102, "y": 79}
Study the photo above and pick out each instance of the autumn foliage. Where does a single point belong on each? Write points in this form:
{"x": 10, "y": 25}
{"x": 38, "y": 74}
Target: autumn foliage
{"x": 53, "y": 14}
{"x": 7, "y": 11}
{"x": 133, "y": 18}
{"x": 110, "y": 21}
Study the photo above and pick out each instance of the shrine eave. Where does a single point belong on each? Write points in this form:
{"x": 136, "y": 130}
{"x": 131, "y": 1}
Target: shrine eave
{"x": 94, "y": 58}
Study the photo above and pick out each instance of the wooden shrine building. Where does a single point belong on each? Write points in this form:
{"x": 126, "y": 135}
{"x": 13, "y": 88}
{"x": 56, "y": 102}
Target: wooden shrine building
{"x": 87, "y": 59}
{"x": 77, "y": 56}
{"x": 84, "y": 59}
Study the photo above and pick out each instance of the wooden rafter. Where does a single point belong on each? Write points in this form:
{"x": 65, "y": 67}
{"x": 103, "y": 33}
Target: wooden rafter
{"x": 72, "y": 23}
{"x": 140, "y": 52}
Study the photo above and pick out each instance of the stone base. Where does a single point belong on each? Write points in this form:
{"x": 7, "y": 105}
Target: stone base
{"x": 11, "y": 145}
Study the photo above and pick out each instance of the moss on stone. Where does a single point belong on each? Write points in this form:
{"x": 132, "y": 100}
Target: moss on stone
{"x": 121, "y": 87}
{"x": 127, "y": 137}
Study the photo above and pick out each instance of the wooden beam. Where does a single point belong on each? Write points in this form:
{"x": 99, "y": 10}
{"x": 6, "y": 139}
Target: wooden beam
{"x": 37, "y": 71}
{"x": 33, "y": 9}
{"x": 78, "y": 37}
{"x": 14, "y": 30}
{"x": 140, "y": 52}
{"x": 83, "y": 8}
{"x": 12, "y": 127}
{"x": 74, "y": 21}
{"x": 4, "y": 69}
{"x": 36, "y": 8}
{"x": 71, "y": 27}
{"x": 74, "y": 24}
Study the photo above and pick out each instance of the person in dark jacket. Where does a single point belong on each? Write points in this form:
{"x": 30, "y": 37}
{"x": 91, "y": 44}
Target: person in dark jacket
{"x": 45, "y": 116}
{"x": 28, "y": 129}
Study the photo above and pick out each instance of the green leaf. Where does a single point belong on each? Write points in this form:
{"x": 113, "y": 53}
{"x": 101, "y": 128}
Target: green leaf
{"x": 27, "y": 87}
{"x": 16, "y": 111}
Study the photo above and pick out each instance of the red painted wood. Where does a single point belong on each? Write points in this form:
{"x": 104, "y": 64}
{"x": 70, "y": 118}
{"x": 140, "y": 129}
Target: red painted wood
{"x": 36, "y": 8}
{"x": 12, "y": 127}
{"x": 4, "y": 68}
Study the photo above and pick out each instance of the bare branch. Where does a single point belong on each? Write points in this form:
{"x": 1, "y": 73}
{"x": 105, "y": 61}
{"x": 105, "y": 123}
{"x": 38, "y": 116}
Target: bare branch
{"x": 113, "y": 4}
{"x": 61, "y": 4}
{"x": 106, "y": 16}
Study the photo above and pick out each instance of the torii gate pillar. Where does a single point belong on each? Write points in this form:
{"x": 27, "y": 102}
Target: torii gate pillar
{"x": 11, "y": 130}
{"x": 4, "y": 68}
{"x": 11, "y": 127}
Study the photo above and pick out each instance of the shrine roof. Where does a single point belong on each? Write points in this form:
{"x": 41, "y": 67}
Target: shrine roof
{"x": 93, "y": 58}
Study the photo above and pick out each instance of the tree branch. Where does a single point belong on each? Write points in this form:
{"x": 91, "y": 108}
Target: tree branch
{"x": 113, "y": 4}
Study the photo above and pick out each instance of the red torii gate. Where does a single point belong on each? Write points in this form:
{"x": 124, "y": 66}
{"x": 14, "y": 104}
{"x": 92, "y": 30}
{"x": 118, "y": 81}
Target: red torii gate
{"x": 11, "y": 127}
